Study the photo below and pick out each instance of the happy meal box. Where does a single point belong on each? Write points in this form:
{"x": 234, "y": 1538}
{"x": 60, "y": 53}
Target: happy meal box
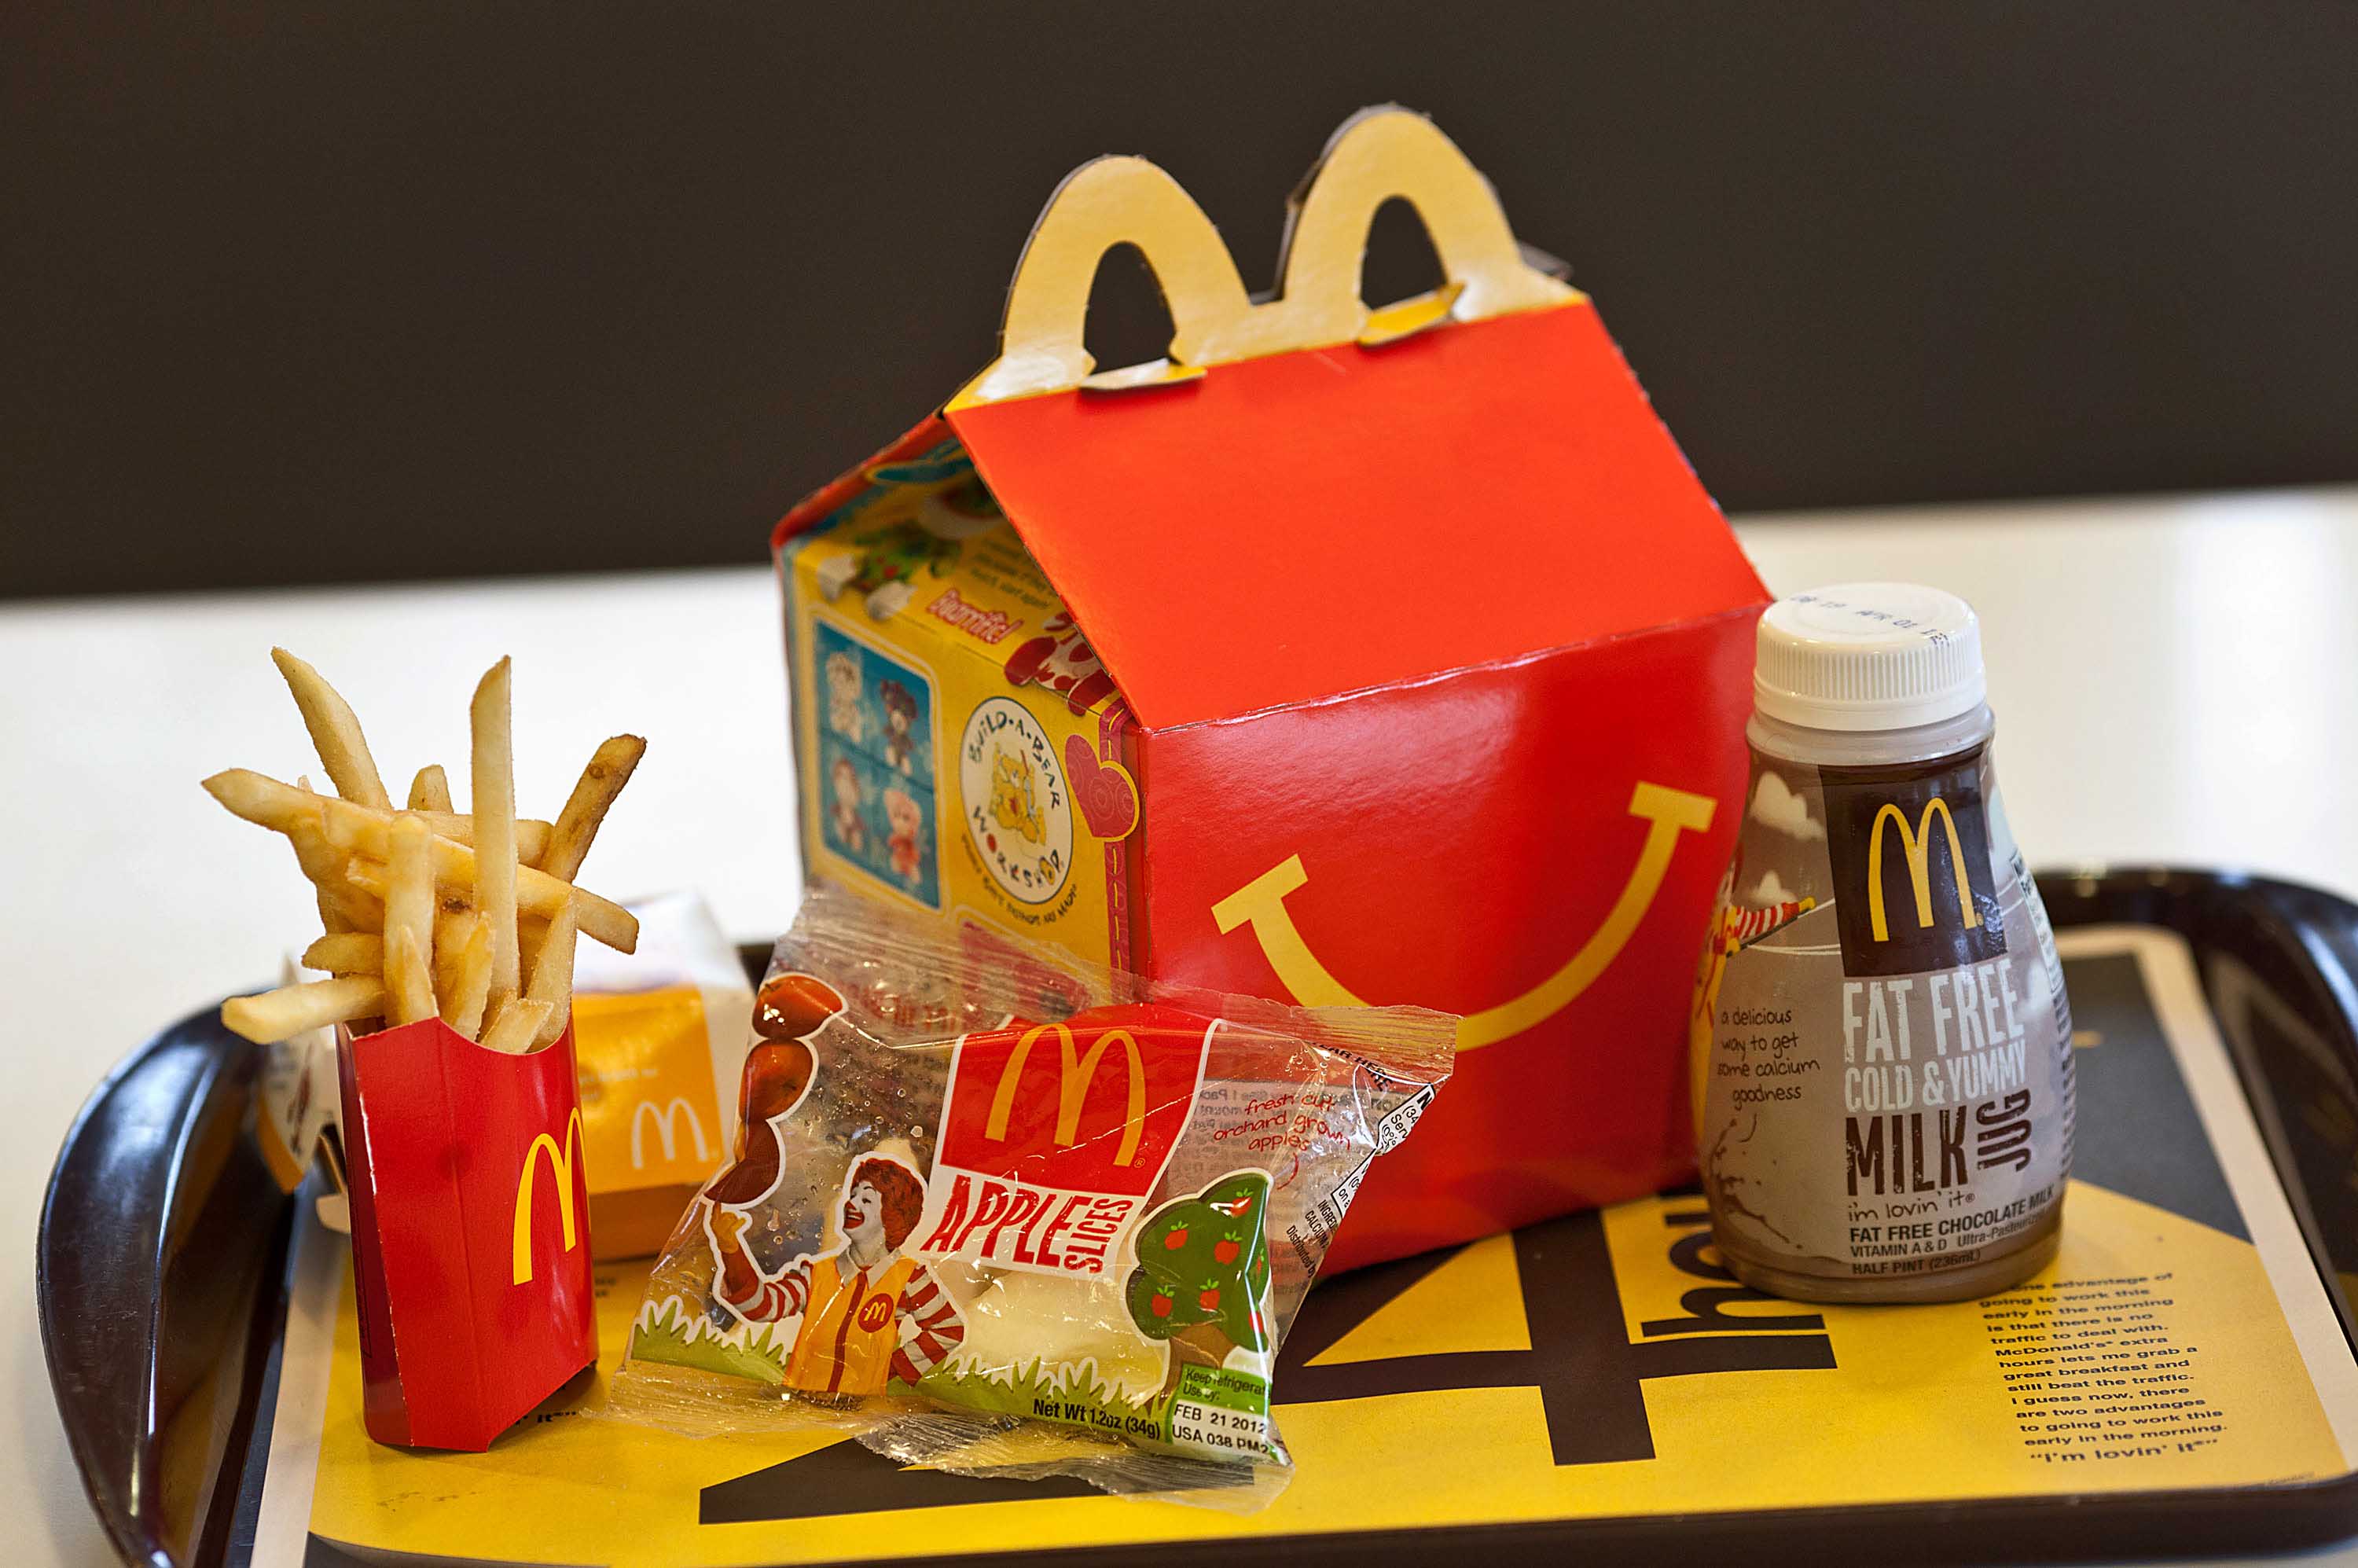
{"x": 470, "y": 1231}
{"x": 1345, "y": 654}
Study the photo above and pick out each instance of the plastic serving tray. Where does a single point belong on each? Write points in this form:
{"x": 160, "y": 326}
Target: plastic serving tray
{"x": 167, "y": 1284}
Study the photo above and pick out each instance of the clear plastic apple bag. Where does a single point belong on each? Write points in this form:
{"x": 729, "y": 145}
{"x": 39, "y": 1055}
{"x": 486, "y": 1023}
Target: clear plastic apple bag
{"x": 994, "y": 1210}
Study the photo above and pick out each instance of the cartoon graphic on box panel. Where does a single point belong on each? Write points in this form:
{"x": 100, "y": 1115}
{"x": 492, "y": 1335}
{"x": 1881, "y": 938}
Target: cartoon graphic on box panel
{"x": 915, "y": 523}
{"x": 847, "y": 820}
{"x": 1061, "y": 659}
{"x": 843, "y": 714}
{"x": 1014, "y": 795}
{"x": 876, "y": 765}
{"x": 1019, "y": 815}
{"x": 900, "y": 724}
{"x": 908, "y": 819}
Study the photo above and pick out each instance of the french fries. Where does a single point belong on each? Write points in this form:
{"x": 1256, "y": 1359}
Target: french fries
{"x": 552, "y": 975}
{"x": 347, "y": 952}
{"x": 452, "y": 921}
{"x": 516, "y": 1024}
{"x": 335, "y": 731}
{"x": 493, "y": 800}
{"x": 342, "y": 907}
{"x": 610, "y": 769}
{"x": 408, "y": 980}
{"x": 430, "y": 790}
{"x": 536, "y": 892}
{"x": 409, "y": 922}
{"x": 471, "y": 978}
{"x": 531, "y": 833}
{"x": 290, "y": 1010}
{"x": 362, "y": 837}
{"x": 427, "y": 912}
{"x": 267, "y": 803}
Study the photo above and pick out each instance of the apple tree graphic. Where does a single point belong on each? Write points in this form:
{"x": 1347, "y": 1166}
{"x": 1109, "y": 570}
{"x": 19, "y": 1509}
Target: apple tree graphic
{"x": 1203, "y": 1274}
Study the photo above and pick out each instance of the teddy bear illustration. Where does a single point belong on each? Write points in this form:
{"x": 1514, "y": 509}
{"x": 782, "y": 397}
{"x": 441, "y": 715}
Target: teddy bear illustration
{"x": 1060, "y": 658}
{"x": 1013, "y": 804}
{"x": 900, "y": 725}
{"x": 849, "y": 826}
{"x": 906, "y": 817}
{"x": 843, "y": 715}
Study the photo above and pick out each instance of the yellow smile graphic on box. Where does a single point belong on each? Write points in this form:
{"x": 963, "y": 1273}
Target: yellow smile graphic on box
{"x": 1666, "y": 812}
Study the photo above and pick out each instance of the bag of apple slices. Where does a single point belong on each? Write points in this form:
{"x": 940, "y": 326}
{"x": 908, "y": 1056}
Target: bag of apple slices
{"x": 993, "y": 1211}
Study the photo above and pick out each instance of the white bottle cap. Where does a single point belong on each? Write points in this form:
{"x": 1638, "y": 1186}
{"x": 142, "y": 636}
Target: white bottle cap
{"x": 1868, "y": 655}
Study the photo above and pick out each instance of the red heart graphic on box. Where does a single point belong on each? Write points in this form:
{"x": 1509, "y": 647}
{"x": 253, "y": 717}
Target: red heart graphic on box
{"x": 1105, "y": 792}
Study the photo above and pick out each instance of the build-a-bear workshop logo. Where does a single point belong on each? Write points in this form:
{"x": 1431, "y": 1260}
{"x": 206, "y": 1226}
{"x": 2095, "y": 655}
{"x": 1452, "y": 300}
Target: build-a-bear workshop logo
{"x": 1019, "y": 814}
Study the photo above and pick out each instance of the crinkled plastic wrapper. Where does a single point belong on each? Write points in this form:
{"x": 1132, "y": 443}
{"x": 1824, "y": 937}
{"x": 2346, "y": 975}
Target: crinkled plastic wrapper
{"x": 997, "y": 1212}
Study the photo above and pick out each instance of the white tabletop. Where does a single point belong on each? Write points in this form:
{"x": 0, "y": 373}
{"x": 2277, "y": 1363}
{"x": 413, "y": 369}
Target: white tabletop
{"x": 2175, "y": 680}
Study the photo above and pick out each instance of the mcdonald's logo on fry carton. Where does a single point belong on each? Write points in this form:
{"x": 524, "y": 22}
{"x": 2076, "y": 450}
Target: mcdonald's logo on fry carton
{"x": 1351, "y": 651}
{"x": 562, "y": 1158}
{"x": 1054, "y": 1135}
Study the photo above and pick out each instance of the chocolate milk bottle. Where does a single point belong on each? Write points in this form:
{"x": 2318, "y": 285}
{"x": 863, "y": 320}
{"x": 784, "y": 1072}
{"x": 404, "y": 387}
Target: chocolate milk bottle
{"x": 1882, "y": 1043}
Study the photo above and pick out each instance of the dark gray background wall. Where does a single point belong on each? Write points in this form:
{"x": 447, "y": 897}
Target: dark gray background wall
{"x": 356, "y": 289}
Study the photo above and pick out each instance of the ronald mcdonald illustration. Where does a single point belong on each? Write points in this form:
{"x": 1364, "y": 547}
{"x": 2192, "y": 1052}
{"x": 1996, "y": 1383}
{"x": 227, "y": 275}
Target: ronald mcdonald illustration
{"x": 867, "y": 1315}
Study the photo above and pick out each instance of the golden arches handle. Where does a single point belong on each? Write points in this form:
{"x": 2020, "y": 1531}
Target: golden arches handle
{"x": 1111, "y": 201}
{"x": 1377, "y": 153}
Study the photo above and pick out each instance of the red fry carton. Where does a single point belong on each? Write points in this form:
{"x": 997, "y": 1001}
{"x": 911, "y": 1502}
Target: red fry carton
{"x": 1345, "y": 654}
{"x": 470, "y": 1231}
{"x": 659, "y": 1039}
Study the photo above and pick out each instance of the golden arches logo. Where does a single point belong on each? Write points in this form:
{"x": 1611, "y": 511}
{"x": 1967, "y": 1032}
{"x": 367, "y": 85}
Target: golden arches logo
{"x": 1075, "y": 1072}
{"x": 665, "y": 1121}
{"x": 1916, "y": 844}
{"x": 561, "y": 1159}
{"x": 1666, "y": 812}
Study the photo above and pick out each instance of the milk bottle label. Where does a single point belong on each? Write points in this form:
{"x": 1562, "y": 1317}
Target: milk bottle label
{"x": 1883, "y": 1050}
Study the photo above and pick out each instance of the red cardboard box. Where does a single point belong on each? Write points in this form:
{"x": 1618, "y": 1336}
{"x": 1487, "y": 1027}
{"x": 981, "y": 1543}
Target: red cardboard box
{"x": 470, "y": 1231}
{"x": 1345, "y": 654}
